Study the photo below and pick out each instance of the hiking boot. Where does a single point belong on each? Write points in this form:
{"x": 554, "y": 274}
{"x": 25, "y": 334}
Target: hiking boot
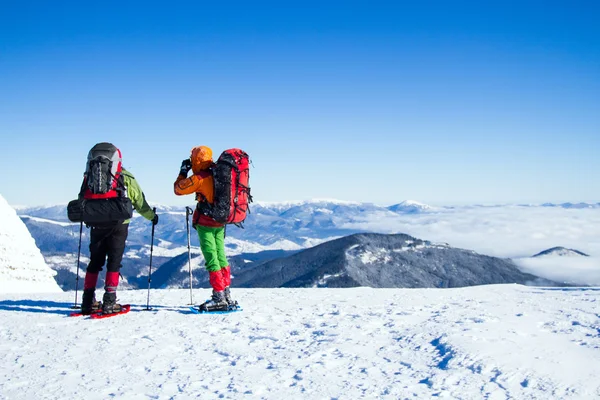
{"x": 217, "y": 302}
{"x": 109, "y": 303}
{"x": 96, "y": 306}
{"x": 89, "y": 305}
{"x": 230, "y": 302}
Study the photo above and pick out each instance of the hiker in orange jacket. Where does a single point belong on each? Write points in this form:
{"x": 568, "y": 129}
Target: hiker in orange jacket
{"x": 210, "y": 232}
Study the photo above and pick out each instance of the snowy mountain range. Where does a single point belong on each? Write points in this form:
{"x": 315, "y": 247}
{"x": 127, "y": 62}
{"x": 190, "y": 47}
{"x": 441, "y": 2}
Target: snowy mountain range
{"x": 289, "y": 227}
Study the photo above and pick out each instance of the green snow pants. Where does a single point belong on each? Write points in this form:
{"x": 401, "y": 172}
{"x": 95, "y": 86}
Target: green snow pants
{"x": 212, "y": 244}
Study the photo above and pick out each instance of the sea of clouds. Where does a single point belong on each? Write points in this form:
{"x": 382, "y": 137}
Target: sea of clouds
{"x": 516, "y": 232}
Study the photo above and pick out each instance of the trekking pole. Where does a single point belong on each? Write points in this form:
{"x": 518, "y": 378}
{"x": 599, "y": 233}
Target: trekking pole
{"x": 150, "y": 268}
{"x": 78, "y": 257}
{"x": 188, "y": 212}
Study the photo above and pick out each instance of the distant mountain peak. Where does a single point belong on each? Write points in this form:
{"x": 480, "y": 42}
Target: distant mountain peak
{"x": 561, "y": 252}
{"x": 410, "y": 207}
{"x": 414, "y": 203}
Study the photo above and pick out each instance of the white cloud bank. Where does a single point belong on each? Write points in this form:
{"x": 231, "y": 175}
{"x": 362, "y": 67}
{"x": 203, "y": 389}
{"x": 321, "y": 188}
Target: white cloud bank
{"x": 515, "y": 232}
{"x": 502, "y": 231}
{"x": 572, "y": 270}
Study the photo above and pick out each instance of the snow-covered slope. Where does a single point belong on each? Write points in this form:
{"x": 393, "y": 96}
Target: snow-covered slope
{"x": 22, "y": 267}
{"x": 487, "y": 342}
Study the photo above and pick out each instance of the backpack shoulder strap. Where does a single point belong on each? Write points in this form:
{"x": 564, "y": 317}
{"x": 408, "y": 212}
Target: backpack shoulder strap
{"x": 121, "y": 188}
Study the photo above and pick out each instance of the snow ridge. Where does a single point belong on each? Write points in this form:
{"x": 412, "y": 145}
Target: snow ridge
{"x": 22, "y": 266}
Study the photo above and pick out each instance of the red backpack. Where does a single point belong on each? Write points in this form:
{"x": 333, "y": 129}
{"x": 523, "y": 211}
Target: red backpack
{"x": 231, "y": 174}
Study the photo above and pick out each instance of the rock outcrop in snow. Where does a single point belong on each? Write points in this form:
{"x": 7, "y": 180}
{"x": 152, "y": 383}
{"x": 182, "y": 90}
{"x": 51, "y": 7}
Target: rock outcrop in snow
{"x": 22, "y": 266}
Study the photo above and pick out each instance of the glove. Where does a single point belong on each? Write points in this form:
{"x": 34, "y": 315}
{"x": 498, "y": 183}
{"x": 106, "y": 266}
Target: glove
{"x": 155, "y": 219}
{"x": 186, "y": 165}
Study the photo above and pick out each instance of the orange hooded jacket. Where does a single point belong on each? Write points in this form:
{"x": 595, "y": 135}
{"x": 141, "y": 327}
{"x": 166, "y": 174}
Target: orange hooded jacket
{"x": 201, "y": 183}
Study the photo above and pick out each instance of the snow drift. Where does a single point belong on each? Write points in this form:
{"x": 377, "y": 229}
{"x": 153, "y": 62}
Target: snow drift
{"x": 22, "y": 267}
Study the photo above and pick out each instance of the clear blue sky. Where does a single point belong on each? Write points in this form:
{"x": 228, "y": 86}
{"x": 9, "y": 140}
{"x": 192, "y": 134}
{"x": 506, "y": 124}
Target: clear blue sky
{"x": 442, "y": 102}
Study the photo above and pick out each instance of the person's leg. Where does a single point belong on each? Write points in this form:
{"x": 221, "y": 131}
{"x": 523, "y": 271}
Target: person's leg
{"x": 209, "y": 251}
{"x": 223, "y": 263}
{"x": 211, "y": 258}
{"x": 97, "y": 260}
{"x": 220, "y": 246}
{"x": 208, "y": 246}
{"x": 97, "y": 256}
{"x": 115, "y": 249}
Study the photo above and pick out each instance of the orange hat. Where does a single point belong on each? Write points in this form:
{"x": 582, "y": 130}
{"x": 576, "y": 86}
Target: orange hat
{"x": 201, "y": 158}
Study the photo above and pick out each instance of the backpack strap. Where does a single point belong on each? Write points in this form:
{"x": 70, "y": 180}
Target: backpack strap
{"x": 121, "y": 188}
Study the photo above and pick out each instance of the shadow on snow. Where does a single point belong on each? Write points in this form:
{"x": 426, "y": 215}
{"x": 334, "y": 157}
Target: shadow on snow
{"x": 63, "y": 308}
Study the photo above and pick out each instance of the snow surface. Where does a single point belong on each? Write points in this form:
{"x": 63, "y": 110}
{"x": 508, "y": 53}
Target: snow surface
{"x": 493, "y": 342}
{"x": 22, "y": 266}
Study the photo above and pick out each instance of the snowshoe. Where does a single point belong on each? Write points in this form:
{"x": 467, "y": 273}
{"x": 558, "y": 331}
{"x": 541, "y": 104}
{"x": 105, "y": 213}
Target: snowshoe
{"x": 124, "y": 309}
